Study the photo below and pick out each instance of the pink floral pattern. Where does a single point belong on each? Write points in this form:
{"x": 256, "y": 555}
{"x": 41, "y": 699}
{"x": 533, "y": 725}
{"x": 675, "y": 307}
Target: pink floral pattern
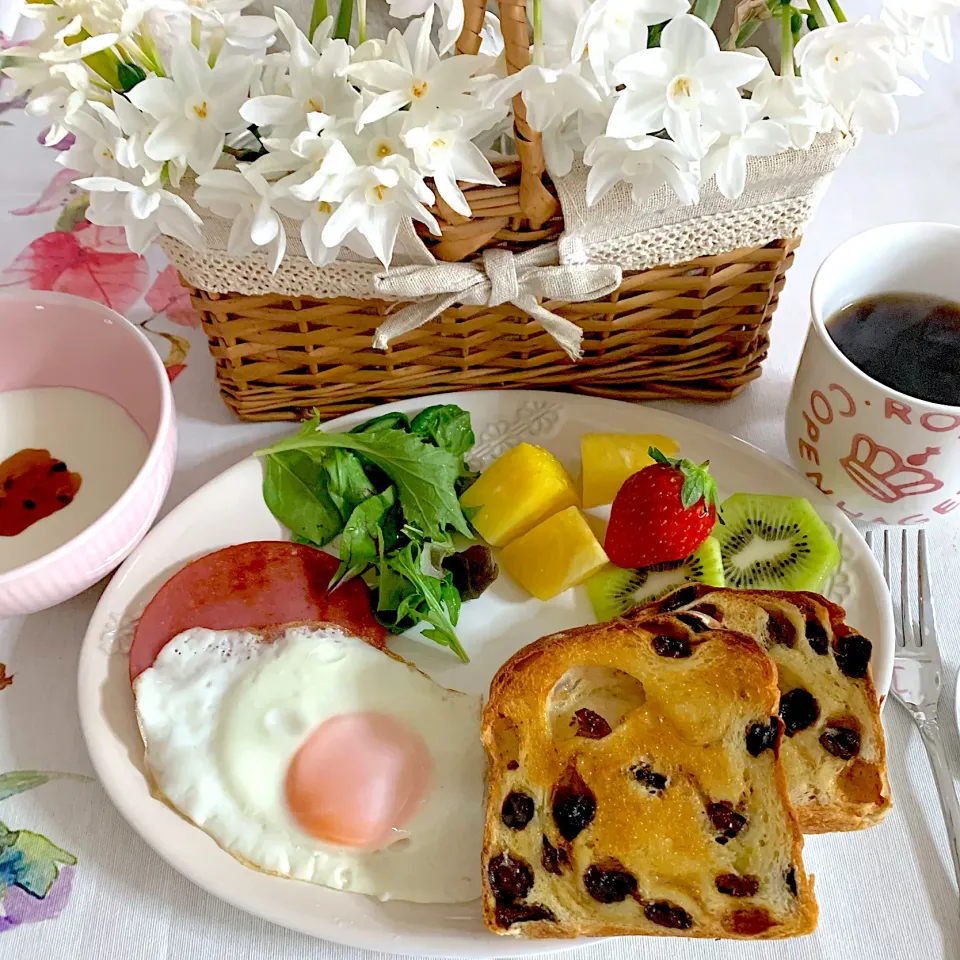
{"x": 89, "y": 261}
{"x": 169, "y": 296}
{"x": 84, "y": 262}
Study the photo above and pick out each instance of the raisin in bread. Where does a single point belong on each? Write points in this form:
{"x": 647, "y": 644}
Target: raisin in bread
{"x": 627, "y": 794}
{"x": 833, "y": 750}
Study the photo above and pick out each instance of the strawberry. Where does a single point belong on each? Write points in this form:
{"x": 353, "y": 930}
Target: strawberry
{"x": 661, "y": 514}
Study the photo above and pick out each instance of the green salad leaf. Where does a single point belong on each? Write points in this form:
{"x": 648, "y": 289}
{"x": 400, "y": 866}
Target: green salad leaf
{"x": 446, "y": 425}
{"x": 295, "y": 490}
{"x": 407, "y": 595}
{"x": 391, "y": 487}
{"x": 369, "y": 533}
{"x": 399, "y": 420}
{"x": 425, "y": 475}
{"x": 347, "y": 484}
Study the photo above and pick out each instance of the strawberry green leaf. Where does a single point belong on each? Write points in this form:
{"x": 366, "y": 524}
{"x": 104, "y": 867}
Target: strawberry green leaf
{"x": 697, "y": 483}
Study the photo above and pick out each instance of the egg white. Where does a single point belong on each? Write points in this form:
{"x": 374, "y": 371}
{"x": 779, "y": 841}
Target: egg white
{"x": 222, "y": 714}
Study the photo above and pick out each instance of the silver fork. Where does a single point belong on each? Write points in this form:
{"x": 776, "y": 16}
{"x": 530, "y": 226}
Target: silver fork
{"x": 917, "y": 671}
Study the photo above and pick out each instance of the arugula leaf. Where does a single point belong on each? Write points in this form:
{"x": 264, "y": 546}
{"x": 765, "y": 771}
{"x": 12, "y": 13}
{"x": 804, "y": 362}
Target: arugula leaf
{"x": 399, "y": 420}
{"x": 347, "y": 484}
{"x": 295, "y": 491}
{"x": 423, "y": 474}
{"x": 363, "y": 537}
{"x": 425, "y": 598}
{"x": 446, "y": 425}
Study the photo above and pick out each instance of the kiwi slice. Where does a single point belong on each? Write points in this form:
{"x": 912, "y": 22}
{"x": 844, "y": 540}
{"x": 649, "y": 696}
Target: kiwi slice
{"x": 774, "y": 543}
{"x": 613, "y": 591}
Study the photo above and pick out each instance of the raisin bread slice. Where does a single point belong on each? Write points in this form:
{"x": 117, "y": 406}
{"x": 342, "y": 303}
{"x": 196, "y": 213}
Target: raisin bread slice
{"x": 635, "y": 788}
{"x": 833, "y": 751}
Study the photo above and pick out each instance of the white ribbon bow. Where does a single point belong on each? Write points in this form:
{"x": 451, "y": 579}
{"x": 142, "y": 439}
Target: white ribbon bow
{"x": 500, "y": 277}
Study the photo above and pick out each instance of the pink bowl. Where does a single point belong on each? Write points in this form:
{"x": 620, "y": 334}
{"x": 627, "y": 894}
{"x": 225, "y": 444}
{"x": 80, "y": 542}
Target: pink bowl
{"x": 57, "y": 340}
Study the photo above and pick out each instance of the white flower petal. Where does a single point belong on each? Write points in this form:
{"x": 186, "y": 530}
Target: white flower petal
{"x": 732, "y": 69}
{"x": 157, "y": 96}
{"x": 239, "y": 243}
{"x": 143, "y": 203}
{"x": 448, "y": 189}
{"x": 380, "y": 75}
{"x": 637, "y": 112}
{"x": 688, "y": 39}
{"x": 271, "y": 109}
{"x": 383, "y": 106}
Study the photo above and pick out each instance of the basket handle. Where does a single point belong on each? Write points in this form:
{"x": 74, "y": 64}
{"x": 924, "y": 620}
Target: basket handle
{"x": 536, "y": 202}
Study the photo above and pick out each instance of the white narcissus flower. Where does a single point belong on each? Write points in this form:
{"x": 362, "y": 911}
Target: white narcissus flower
{"x": 413, "y": 75}
{"x": 728, "y": 155}
{"x": 316, "y": 85}
{"x": 451, "y": 16}
{"x": 560, "y": 103}
{"x": 145, "y": 212}
{"x": 491, "y": 36}
{"x": 921, "y": 25}
{"x": 559, "y": 29}
{"x": 57, "y": 92}
{"x": 852, "y": 67}
{"x": 686, "y": 85}
{"x": 789, "y": 101}
{"x": 644, "y": 163}
{"x": 194, "y": 107}
{"x": 441, "y": 151}
{"x": 98, "y": 140}
{"x": 375, "y": 200}
{"x": 612, "y": 29}
{"x": 254, "y": 205}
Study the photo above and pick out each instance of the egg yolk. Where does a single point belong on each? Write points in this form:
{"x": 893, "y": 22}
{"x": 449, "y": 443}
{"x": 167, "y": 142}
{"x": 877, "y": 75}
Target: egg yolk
{"x": 357, "y": 779}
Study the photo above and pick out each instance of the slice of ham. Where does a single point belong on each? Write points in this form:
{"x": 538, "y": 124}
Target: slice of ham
{"x": 259, "y": 585}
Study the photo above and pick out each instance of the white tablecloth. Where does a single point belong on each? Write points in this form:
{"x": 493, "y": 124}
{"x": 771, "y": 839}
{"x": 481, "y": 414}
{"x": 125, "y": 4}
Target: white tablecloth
{"x": 888, "y": 892}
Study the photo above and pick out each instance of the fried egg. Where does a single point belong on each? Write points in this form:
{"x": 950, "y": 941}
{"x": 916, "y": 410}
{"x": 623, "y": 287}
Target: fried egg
{"x": 318, "y": 757}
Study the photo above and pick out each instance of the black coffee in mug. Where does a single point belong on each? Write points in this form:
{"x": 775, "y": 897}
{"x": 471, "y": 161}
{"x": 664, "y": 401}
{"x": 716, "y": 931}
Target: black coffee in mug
{"x": 907, "y": 341}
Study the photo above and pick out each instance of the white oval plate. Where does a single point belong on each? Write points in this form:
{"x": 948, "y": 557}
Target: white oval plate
{"x": 230, "y": 509}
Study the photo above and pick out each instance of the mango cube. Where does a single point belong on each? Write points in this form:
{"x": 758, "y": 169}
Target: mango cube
{"x": 609, "y": 458}
{"x": 555, "y": 555}
{"x": 524, "y": 486}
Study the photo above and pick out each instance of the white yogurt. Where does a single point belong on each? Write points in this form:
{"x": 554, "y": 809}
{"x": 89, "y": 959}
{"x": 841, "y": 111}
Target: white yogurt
{"x": 94, "y": 436}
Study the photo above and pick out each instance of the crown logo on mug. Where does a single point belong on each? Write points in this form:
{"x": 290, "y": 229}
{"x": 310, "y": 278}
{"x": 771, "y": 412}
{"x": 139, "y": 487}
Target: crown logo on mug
{"x": 884, "y": 474}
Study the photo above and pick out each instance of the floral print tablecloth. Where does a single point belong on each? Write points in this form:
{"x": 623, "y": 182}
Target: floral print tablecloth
{"x": 76, "y": 883}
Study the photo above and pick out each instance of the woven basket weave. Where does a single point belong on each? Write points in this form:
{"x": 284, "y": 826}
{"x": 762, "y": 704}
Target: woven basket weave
{"x": 697, "y": 330}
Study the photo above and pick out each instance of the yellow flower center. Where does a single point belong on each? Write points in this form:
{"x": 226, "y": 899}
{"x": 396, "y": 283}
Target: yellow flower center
{"x": 200, "y": 109}
{"x": 316, "y": 106}
{"x": 324, "y": 207}
{"x": 439, "y": 144}
{"x": 380, "y": 191}
{"x": 384, "y": 150}
{"x": 420, "y": 90}
{"x": 681, "y": 87}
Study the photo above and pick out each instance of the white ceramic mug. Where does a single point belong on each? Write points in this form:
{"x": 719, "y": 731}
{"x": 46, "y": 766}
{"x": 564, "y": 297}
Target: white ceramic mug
{"x": 882, "y": 456}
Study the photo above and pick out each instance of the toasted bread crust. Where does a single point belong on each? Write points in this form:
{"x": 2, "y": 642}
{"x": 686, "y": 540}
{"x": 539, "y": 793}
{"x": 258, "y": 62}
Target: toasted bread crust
{"x": 687, "y": 715}
{"x": 830, "y": 793}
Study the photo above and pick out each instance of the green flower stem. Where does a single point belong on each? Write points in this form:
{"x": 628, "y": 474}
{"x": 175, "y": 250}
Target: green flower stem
{"x": 149, "y": 46}
{"x": 787, "y": 66}
{"x": 344, "y": 20}
{"x": 817, "y": 11}
{"x": 838, "y": 11}
{"x": 195, "y": 32}
{"x": 317, "y": 16}
{"x": 216, "y": 45}
{"x": 706, "y": 10}
{"x": 361, "y": 20}
{"x": 538, "y": 32}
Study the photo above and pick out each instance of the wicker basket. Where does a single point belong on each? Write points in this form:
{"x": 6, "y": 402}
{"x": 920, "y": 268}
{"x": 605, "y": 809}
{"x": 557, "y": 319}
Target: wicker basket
{"x": 697, "y": 330}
